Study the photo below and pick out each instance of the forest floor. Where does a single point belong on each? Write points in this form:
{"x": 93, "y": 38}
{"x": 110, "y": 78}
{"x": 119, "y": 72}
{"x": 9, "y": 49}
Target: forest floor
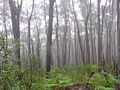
{"x": 84, "y": 77}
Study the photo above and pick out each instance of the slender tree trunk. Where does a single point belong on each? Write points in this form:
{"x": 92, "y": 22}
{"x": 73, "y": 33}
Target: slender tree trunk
{"x": 30, "y": 44}
{"x": 5, "y": 28}
{"x": 102, "y": 28}
{"x": 75, "y": 44}
{"x": 57, "y": 40}
{"x": 110, "y": 32}
{"x": 118, "y": 29}
{"x": 107, "y": 49}
{"x": 69, "y": 44}
{"x": 29, "y": 39}
{"x": 78, "y": 32}
{"x": 91, "y": 34}
{"x": 38, "y": 44}
{"x": 49, "y": 37}
{"x": 65, "y": 40}
{"x": 45, "y": 16}
{"x": 87, "y": 40}
{"x": 32, "y": 48}
{"x": 99, "y": 34}
{"x": 29, "y": 30}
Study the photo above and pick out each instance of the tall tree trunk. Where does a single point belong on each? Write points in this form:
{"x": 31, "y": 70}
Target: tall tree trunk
{"x": 49, "y": 36}
{"x": 102, "y": 28}
{"x": 78, "y": 32}
{"x": 87, "y": 39}
{"x": 29, "y": 30}
{"x": 110, "y": 32}
{"x": 99, "y": 34}
{"x": 69, "y": 45}
{"x": 57, "y": 40}
{"x": 15, "y": 16}
{"x": 118, "y": 29}
{"x": 5, "y": 27}
{"x": 90, "y": 30}
{"x": 38, "y": 43}
{"x": 75, "y": 44}
{"x": 65, "y": 42}
{"x": 91, "y": 36}
{"x": 30, "y": 44}
{"x": 107, "y": 45}
{"x": 45, "y": 20}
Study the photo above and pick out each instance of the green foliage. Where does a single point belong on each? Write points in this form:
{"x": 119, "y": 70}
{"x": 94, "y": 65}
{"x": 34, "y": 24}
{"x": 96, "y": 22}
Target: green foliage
{"x": 10, "y": 73}
{"x": 41, "y": 80}
{"x": 98, "y": 79}
{"x": 14, "y": 77}
{"x": 51, "y": 80}
{"x": 2, "y": 42}
{"x": 104, "y": 88}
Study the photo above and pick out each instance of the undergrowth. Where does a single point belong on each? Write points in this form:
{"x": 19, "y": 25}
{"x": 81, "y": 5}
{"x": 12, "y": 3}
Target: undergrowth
{"x": 57, "y": 77}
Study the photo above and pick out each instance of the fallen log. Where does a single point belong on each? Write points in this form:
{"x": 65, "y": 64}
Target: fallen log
{"x": 73, "y": 87}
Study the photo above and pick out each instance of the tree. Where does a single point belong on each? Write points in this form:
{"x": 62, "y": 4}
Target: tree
{"x": 57, "y": 39}
{"x": 29, "y": 33}
{"x": 15, "y": 16}
{"x": 87, "y": 36}
{"x": 49, "y": 36}
{"x": 99, "y": 33}
{"x": 65, "y": 33}
{"x": 91, "y": 34}
{"x": 45, "y": 14}
{"x": 118, "y": 29}
{"x": 78, "y": 32}
{"x": 4, "y": 11}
